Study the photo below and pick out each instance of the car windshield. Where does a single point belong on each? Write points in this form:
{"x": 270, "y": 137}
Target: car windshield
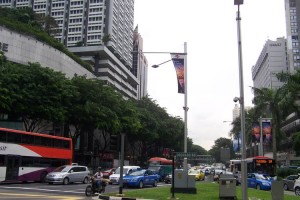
{"x": 62, "y": 169}
{"x": 260, "y": 177}
{"x": 194, "y": 172}
{"x": 124, "y": 171}
{"x": 138, "y": 173}
{"x": 153, "y": 168}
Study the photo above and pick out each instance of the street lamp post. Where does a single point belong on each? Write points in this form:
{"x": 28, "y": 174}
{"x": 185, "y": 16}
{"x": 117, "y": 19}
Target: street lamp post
{"x": 241, "y": 101}
{"x": 185, "y": 107}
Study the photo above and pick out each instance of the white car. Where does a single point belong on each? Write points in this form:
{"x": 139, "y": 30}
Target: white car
{"x": 114, "y": 178}
{"x": 297, "y": 187}
{"x": 68, "y": 174}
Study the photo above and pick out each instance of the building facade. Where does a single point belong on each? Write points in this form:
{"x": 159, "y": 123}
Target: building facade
{"x": 103, "y": 29}
{"x": 273, "y": 59}
{"x": 140, "y": 64}
{"x": 292, "y": 12}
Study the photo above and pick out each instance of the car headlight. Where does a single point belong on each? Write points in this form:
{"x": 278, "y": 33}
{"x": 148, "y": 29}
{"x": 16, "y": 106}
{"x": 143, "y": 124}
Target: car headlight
{"x": 134, "y": 179}
{"x": 266, "y": 184}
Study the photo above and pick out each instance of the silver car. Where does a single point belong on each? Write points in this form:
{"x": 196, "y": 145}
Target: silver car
{"x": 68, "y": 174}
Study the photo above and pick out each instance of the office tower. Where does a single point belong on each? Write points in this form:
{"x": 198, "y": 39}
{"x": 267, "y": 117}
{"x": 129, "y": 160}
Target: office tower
{"x": 292, "y": 12}
{"x": 140, "y": 64}
{"x": 272, "y": 60}
{"x": 235, "y": 112}
{"x": 99, "y": 31}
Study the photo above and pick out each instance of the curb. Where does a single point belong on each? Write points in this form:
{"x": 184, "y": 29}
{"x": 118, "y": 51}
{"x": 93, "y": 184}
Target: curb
{"x": 117, "y": 198}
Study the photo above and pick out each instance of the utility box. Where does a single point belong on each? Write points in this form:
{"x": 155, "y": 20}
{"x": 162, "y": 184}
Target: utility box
{"x": 227, "y": 187}
{"x": 184, "y": 183}
{"x": 277, "y": 190}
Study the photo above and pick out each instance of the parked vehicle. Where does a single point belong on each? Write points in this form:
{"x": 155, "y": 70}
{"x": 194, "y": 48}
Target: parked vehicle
{"x": 259, "y": 181}
{"x": 289, "y": 182}
{"x": 297, "y": 187}
{"x": 68, "y": 174}
{"x": 168, "y": 178}
{"x": 140, "y": 178}
{"x": 108, "y": 172}
{"x": 114, "y": 178}
{"x": 161, "y": 170}
{"x": 199, "y": 175}
{"x": 92, "y": 188}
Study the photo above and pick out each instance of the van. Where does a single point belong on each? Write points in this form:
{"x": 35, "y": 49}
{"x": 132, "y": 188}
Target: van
{"x": 161, "y": 170}
{"x": 114, "y": 178}
{"x": 68, "y": 174}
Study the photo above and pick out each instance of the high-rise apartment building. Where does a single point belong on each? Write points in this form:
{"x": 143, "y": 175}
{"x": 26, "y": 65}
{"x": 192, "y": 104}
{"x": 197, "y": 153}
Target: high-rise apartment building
{"x": 140, "y": 64}
{"x": 272, "y": 60}
{"x": 292, "y": 12}
{"x": 99, "y": 31}
{"x": 235, "y": 112}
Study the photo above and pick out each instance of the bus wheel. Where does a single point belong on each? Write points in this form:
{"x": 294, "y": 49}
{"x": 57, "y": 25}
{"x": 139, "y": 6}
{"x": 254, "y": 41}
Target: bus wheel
{"x": 66, "y": 181}
{"x": 43, "y": 177}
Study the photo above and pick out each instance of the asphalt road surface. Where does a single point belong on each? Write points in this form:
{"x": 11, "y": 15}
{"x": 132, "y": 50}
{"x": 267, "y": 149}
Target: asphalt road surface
{"x": 44, "y": 191}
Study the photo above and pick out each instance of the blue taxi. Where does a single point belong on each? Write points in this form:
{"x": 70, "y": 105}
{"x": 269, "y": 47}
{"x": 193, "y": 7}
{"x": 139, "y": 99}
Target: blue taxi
{"x": 259, "y": 181}
{"x": 141, "y": 178}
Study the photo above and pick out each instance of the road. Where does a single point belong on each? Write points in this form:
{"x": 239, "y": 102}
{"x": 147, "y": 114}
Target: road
{"x": 44, "y": 191}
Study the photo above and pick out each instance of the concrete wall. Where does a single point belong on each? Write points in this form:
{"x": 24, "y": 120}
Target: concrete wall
{"x": 22, "y": 49}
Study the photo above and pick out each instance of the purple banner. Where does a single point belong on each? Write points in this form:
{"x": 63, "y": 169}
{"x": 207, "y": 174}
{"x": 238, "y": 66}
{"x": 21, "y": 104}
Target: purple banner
{"x": 178, "y": 61}
{"x": 255, "y": 132}
{"x": 267, "y": 132}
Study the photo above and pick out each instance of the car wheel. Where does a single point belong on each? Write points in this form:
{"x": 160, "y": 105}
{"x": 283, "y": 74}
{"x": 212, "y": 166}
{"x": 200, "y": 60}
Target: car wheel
{"x": 66, "y": 181}
{"x": 155, "y": 183}
{"x": 85, "y": 180}
{"x": 297, "y": 191}
{"x": 258, "y": 187}
{"x": 285, "y": 187}
{"x": 141, "y": 184}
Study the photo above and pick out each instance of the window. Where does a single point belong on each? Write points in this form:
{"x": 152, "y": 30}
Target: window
{"x": 13, "y": 137}
{"x": 2, "y": 136}
{"x": 27, "y": 139}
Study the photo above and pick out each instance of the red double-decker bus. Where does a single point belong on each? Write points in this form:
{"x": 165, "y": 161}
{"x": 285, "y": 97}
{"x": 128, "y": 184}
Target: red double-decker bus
{"x": 27, "y": 156}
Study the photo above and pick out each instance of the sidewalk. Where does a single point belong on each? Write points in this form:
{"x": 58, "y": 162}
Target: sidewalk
{"x": 115, "y": 198}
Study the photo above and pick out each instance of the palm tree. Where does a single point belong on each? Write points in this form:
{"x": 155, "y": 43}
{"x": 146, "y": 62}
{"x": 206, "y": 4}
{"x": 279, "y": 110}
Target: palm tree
{"x": 267, "y": 101}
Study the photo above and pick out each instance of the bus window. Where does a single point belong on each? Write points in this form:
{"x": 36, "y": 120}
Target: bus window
{"x": 2, "y": 160}
{"x": 13, "y": 138}
{"x": 37, "y": 140}
{"x": 2, "y": 136}
{"x": 27, "y": 162}
{"x": 46, "y": 141}
{"x": 27, "y": 139}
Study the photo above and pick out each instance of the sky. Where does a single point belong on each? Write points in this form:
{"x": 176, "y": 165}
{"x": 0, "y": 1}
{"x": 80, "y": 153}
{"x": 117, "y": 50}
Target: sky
{"x": 210, "y": 30}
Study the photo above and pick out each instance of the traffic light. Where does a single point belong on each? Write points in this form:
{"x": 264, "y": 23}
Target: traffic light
{"x": 114, "y": 143}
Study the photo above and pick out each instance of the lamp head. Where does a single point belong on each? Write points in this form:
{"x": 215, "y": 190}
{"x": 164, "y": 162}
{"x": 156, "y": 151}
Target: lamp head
{"x": 238, "y": 2}
{"x": 155, "y": 66}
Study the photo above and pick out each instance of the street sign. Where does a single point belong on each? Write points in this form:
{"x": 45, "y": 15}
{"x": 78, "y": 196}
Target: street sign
{"x": 186, "y": 155}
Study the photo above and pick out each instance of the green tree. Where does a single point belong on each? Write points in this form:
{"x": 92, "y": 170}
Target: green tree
{"x": 35, "y": 94}
{"x": 216, "y": 148}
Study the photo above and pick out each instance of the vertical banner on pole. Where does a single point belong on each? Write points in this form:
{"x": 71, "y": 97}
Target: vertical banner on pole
{"x": 178, "y": 61}
{"x": 255, "y": 132}
{"x": 267, "y": 132}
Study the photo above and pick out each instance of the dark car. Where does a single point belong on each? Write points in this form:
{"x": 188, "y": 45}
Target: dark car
{"x": 108, "y": 172}
{"x": 289, "y": 181}
{"x": 161, "y": 170}
{"x": 168, "y": 178}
